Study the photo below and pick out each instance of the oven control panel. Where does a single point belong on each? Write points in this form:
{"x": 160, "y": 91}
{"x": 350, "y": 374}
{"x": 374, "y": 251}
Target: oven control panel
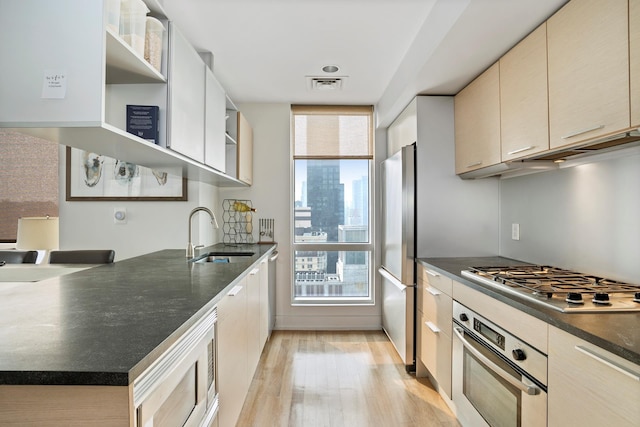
{"x": 501, "y": 341}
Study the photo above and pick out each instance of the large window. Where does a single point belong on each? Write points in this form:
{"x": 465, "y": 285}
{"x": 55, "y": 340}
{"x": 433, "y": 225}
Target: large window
{"x": 332, "y": 161}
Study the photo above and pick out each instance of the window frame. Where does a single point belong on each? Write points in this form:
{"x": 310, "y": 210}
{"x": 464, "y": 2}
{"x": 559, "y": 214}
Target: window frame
{"x": 367, "y": 247}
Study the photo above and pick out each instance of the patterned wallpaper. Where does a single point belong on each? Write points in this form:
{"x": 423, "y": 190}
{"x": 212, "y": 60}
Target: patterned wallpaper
{"x": 28, "y": 180}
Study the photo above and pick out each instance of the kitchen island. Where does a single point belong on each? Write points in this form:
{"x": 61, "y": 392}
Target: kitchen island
{"x": 100, "y": 329}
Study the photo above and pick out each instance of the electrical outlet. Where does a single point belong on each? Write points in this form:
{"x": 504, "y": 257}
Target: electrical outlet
{"x": 515, "y": 231}
{"x": 120, "y": 215}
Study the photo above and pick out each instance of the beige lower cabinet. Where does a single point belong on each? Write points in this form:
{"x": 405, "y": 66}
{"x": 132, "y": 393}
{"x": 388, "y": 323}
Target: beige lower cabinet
{"x": 264, "y": 302}
{"x": 589, "y": 386}
{"x": 243, "y": 320}
{"x": 60, "y": 405}
{"x": 233, "y": 380}
{"x": 253, "y": 322}
{"x": 434, "y": 328}
{"x": 257, "y": 315}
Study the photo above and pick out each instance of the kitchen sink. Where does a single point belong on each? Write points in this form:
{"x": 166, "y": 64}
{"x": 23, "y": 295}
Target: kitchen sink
{"x": 223, "y": 257}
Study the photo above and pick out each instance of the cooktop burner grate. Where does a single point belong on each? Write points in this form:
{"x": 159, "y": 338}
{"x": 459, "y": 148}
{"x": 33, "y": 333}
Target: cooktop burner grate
{"x": 560, "y": 289}
{"x": 550, "y": 280}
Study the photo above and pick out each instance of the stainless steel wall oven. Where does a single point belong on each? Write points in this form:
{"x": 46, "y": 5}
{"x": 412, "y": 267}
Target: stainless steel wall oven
{"x": 498, "y": 379}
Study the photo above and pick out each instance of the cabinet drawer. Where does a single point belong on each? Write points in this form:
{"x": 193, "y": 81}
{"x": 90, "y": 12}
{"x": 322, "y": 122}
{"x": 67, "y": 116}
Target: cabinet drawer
{"x": 435, "y": 354}
{"x": 435, "y": 279}
{"x": 437, "y": 307}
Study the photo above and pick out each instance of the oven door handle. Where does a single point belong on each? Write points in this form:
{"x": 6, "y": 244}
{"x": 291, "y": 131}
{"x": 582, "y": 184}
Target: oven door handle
{"x": 529, "y": 389}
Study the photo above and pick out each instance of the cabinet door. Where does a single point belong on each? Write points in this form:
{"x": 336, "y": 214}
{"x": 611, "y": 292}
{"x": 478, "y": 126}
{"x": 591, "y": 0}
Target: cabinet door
{"x": 253, "y": 321}
{"x": 71, "y": 48}
{"x": 233, "y": 381}
{"x": 634, "y": 52}
{"x": 215, "y": 111}
{"x": 186, "y": 97}
{"x": 477, "y": 122}
{"x": 264, "y": 303}
{"x": 245, "y": 150}
{"x": 588, "y": 44}
{"x": 524, "y": 109}
{"x": 435, "y": 353}
{"x": 589, "y": 386}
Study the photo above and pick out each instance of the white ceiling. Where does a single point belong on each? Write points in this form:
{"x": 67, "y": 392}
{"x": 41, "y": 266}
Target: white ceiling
{"x": 388, "y": 50}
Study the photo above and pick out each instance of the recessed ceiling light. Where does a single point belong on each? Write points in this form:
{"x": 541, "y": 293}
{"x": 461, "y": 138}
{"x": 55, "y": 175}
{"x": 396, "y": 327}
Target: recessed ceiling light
{"x": 330, "y": 68}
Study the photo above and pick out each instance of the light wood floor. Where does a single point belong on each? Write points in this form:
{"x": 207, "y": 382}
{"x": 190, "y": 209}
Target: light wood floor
{"x": 337, "y": 379}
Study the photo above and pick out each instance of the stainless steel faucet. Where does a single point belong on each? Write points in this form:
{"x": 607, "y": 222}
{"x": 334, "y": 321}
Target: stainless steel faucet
{"x": 214, "y": 222}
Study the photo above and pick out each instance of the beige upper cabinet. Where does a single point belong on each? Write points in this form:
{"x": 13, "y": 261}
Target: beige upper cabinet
{"x": 477, "y": 122}
{"x": 245, "y": 150}
{"x": 588, "y": 43}
{"x": 524, "y": 109}
{"x": 634, "y": 58}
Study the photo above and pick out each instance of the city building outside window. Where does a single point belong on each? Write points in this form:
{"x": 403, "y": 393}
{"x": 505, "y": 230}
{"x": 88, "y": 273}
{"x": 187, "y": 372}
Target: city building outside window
{"x": 332, "y": 161}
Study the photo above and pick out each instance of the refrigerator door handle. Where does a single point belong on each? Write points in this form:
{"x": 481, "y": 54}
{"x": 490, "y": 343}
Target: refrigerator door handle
{"x": 398, "y": 284}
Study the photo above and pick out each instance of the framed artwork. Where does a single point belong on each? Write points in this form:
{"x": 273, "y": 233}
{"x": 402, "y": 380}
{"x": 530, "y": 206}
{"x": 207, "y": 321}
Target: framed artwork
{"x": 94, "y": 177}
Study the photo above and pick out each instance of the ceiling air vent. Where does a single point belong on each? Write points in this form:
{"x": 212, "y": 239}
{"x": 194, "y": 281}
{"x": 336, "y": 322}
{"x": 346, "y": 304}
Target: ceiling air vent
{"x": 325, "y": 84}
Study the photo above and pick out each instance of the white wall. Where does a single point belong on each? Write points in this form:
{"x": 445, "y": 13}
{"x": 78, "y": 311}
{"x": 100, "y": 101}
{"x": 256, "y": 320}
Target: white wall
{"x": 151, "y": 226}
{"x": 270, "y": 194}
{"x": 455, "y": 217}
{"x": 585, "y": 218}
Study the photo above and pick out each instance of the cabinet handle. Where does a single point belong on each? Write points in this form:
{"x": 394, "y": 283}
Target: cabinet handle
{"x": 431, "y": 273}
{"x": 433, "y": 327}
{"x": 398, "y": 284}
{"x": 432, "y": 291}
{"x": 474, "y": 164}
{"x": 580, "y": 132}
{"x": 520, "y": 150}
{"x": 235, "y": 291}
{"x": 609, "y": 363}
{"x": 254, "y": 272}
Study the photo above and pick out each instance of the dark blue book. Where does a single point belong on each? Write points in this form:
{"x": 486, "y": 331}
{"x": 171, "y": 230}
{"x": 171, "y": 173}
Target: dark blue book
{"x": 142, "y": 121}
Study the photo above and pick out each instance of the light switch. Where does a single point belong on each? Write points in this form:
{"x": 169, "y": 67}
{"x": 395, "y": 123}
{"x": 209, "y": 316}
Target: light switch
{"x": 120, "y": 215}
{"x": 515, "y": 231}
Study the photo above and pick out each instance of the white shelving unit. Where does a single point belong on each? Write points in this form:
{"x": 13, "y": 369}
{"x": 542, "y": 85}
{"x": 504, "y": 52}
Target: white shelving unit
{"x": 101, "y": 75}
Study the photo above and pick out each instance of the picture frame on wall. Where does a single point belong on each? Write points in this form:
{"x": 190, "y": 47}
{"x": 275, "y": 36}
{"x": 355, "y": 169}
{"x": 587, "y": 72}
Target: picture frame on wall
{"x": 94, "y": 177}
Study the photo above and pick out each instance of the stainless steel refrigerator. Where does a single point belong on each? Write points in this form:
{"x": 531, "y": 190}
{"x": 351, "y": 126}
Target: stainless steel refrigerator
{"x": 399, "y": 252}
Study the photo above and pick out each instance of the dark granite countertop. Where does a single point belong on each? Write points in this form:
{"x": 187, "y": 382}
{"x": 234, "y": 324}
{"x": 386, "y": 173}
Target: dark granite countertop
{"x": 618, "y": 333}
{"x": 107, "y": 324}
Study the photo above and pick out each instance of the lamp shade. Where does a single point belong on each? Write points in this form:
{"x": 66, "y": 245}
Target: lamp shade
{"x": 38, "y": 233}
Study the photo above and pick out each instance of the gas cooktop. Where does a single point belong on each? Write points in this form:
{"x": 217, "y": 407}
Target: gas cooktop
{"x": 560, "y": 289}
